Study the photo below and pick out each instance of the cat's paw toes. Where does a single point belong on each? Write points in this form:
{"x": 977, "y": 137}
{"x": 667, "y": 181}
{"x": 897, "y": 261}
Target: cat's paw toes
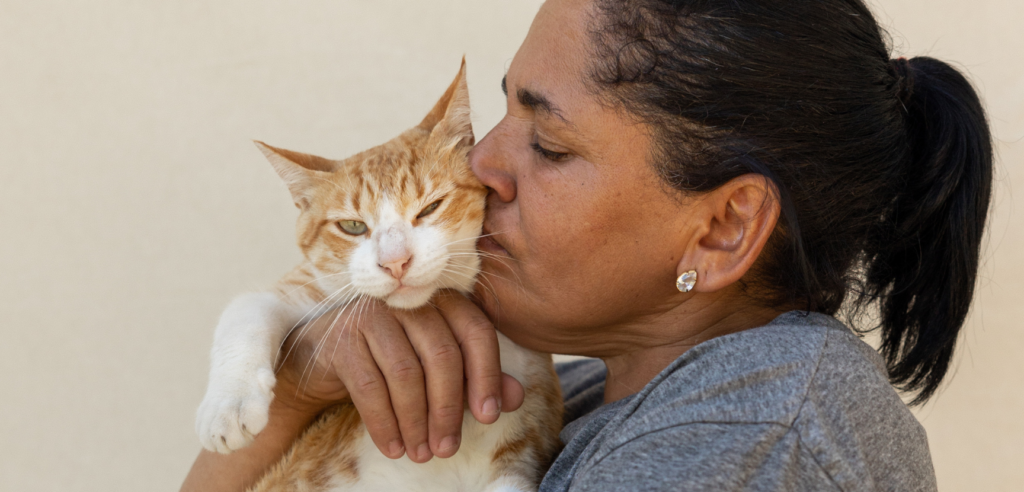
{"x": 229, "y": 420}
{"x": 228, "y": 424}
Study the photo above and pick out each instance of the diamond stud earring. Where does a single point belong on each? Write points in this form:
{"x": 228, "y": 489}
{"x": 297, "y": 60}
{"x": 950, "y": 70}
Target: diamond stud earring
{"x": 686, "y": 281}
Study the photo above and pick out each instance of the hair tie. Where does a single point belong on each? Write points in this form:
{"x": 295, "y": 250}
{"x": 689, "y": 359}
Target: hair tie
{"x": 904, "y": 79}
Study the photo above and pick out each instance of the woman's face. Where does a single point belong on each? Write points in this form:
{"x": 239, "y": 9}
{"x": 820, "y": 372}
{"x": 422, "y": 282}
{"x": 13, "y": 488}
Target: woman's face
{"x": 586, "y": 238}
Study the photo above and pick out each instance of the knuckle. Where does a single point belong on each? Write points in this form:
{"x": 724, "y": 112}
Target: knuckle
{"x": 368, "y": 383}
{"x": 448, "y": 412}
{"x": 381, "y": 425}
{"x": 407, "y": 370}
{"x": 479, "y": 323}
{"x": 479, "y": 333}
{"x": 415, "y": 423}
{"x": 446, "y": 353}
{"x": 489, "y": 378}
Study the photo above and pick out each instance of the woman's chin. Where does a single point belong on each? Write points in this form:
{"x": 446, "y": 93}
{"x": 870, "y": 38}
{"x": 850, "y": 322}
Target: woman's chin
{"x": 408, "y": 297}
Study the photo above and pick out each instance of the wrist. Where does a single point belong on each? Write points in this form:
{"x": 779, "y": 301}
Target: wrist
{"x": 293, "y": 402}
{"x": 289, "y": 418}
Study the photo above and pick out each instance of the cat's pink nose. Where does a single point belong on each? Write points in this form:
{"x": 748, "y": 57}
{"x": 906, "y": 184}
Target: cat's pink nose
{"x": 397, "y": 267}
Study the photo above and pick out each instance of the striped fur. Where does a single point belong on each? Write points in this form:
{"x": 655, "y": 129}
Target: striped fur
{"x": 403, "y": 257}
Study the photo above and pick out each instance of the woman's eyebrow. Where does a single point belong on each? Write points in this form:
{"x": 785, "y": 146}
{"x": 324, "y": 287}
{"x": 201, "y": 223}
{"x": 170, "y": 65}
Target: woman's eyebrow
{"x": 536, "y": 102}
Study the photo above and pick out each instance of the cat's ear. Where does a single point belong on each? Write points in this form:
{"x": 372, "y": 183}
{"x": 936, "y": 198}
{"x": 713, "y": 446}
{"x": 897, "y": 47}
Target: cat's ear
{"x": 449, "y": 123}
{"x": 300, "y": 172}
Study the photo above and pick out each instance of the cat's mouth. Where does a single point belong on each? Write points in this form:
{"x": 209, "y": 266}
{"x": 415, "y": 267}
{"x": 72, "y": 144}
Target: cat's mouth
{"x": 409, "y": 296}
{"x": 405, "y": 288}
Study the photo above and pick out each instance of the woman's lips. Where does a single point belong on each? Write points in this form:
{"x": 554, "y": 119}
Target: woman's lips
{"x": 488, "y": 244}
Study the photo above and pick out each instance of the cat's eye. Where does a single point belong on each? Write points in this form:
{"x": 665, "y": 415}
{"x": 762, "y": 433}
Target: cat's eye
{"x": 353, "y": 227}
{"x": 429, "y": 209}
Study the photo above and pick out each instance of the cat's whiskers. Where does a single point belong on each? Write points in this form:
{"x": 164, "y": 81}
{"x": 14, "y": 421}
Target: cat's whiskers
{"x": 312, "y": 313}
{"x": 479, "y": 276}
{"x": 447, "y": 275}
{"x": 311, "y": 363}
{"x": 321, "y": 309}
{"x": 382, "y": 186}
{"x": 321, "y": 304}
{"x": 471, "y": 238}
{"x": 516, "y": 275}
{"x": 482, "y": 254}
{"x": 359, "y": 314}
{"x": 360, "y": 304}
{"x": 290, "y": 292}
{"x": 308, "y": 317}
{"x": 483, "y": 276}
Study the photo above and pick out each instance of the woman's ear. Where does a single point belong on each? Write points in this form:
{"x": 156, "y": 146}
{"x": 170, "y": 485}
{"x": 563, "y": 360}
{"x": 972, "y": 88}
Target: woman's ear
{"x": 739, "y": 217}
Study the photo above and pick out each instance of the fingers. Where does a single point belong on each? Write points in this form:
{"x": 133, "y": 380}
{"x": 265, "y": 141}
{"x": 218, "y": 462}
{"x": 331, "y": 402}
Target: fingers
{"x": 389, "y": 346}
{"x": 512, "y": 393}
{"x": 479, "y": 342}
{"x": 441, "y": 357}
{"x": 305, "y": 378}
{"x": 404, "y": 371}
{"x": 369, "y": 392}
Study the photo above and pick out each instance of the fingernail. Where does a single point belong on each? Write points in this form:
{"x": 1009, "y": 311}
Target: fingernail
{"x": 448, "y": 443}
{"x": 396, "y": 449}
{"x": 424, "y": 452}
{"x": 491, "y": 406}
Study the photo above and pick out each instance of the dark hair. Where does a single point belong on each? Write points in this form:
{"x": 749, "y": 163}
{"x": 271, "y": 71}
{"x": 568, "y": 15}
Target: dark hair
{"x": 883, "y": 167}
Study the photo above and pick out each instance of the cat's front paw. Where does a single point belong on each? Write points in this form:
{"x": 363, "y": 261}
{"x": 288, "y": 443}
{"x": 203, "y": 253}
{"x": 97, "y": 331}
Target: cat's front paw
{"x": 234, "y": 410}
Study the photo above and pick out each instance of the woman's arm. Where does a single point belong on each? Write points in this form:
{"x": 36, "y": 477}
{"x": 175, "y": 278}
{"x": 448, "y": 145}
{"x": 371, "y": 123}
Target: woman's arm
{"x": 241, "y": 469}
{"x": 291, "y": 411}
{"x": 383, "y": 356}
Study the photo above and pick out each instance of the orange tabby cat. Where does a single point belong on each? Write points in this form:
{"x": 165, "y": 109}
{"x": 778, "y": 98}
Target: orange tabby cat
{"x": 396, "y": 222}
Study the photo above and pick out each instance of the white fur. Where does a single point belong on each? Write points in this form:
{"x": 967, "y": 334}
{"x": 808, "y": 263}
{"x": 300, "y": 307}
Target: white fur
{"x": 251, "y": 329}
{"x": 439, "y": 260}
{"x": 242, "y": 378}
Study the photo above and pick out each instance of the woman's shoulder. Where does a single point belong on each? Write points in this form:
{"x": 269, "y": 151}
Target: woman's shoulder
{"x": 761, "y": 375}
{"x": 766, "y": 374}
{"x": 804, "y": 381}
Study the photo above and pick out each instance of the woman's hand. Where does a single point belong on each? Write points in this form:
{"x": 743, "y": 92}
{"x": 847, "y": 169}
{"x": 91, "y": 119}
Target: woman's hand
{"x": 404, "y": 370}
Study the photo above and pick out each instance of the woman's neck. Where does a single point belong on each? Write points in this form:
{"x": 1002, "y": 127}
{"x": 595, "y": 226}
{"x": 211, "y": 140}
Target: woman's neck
{"x": 678, "y": 330}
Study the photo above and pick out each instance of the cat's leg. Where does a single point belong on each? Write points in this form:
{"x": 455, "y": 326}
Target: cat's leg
{"x": 240, "y": 389}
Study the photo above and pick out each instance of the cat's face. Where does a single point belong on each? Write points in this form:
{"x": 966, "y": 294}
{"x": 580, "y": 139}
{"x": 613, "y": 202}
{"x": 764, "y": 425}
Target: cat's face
{"x": 395, "y": 222}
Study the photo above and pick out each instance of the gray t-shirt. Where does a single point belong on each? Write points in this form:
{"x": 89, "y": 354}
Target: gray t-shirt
{"x": 798, "y": 404}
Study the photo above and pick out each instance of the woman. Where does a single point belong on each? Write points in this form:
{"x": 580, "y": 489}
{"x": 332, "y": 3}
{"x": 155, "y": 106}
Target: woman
{"x": 689, "y": 190}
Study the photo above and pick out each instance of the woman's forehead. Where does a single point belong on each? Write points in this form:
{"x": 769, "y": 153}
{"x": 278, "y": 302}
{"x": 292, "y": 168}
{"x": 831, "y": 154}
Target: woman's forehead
{"x": 551, "y": 63}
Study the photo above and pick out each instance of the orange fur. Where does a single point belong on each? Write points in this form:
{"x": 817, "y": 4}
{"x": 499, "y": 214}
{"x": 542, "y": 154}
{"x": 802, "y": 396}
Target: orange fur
{"x": 423, "y": 164}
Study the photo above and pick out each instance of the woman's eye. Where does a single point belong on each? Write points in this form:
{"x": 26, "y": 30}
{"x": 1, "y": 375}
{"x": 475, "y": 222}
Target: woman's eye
{"x": 429, "y": 209}
{"x": 549, "y": 154}
{"x": 353, "y": 227}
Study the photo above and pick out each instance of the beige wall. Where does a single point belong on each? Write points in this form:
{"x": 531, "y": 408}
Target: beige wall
{"x": 132, "y": 204}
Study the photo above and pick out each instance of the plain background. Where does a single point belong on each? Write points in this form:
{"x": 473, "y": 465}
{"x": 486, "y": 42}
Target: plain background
{"x": 133, "y": 204}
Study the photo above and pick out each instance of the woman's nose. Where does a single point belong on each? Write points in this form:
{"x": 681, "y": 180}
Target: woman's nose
{"x": 492, "y": 164}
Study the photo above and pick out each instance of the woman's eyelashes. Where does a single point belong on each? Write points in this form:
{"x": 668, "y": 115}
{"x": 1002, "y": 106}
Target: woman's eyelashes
{"x": 548, "y": 154}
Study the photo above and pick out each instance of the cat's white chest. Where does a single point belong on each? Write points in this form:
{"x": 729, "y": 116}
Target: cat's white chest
{"x": 470, "y": 470}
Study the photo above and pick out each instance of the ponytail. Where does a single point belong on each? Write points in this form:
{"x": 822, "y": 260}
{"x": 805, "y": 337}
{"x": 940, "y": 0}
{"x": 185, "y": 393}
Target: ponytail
{"x": 922, "y": 260}
{"x": 884, "y": 167}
